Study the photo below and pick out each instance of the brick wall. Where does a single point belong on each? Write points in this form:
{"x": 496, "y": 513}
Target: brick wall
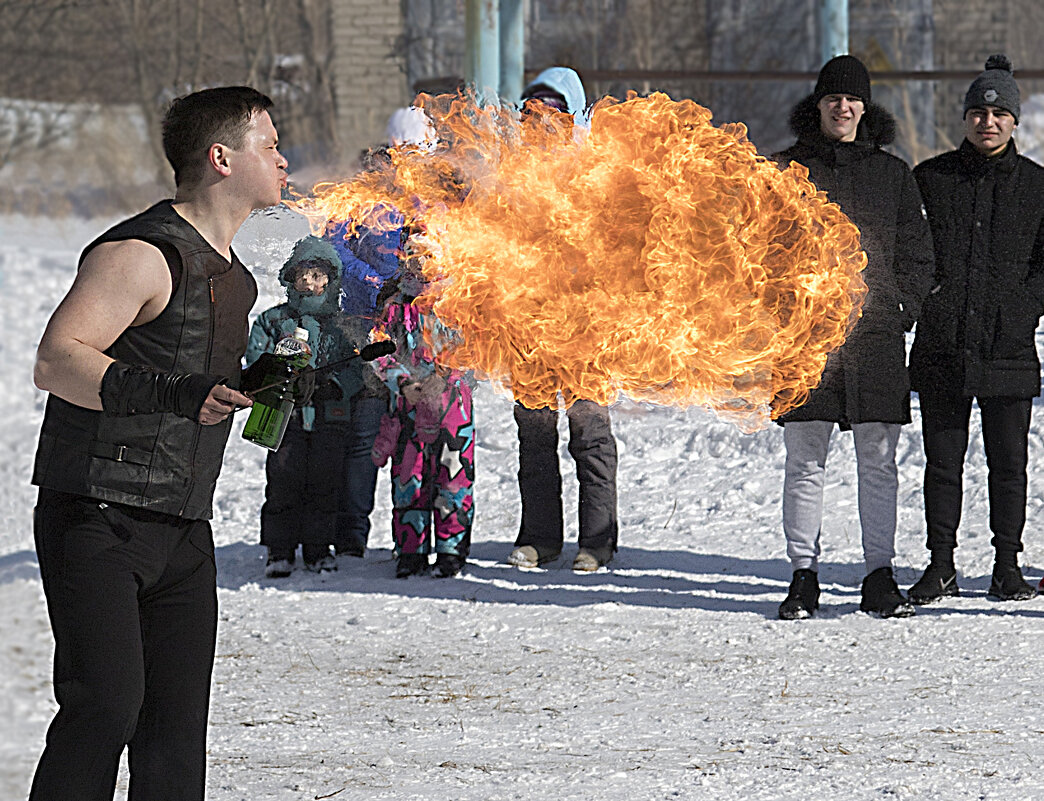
{"x": 369, "y": 71}
{"x": 371, "y": 67}
{"x": 966, "y": 33}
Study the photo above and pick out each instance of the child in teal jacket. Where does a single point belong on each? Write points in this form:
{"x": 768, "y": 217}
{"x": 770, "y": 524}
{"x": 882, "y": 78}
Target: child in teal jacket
{"x": 306, "y": 475}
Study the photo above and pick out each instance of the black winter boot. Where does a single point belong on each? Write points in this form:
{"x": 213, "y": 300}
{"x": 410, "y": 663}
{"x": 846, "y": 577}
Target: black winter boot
{"x": 411, "y": 564}
{"x": 1009, "y": 585}
{"x": 939, "y": 581}
{"x": 881, "y": 595}
{"x": 280, "y": 564}
{"x": 318, "y": 558}
{"x": 447, "y": 565}
{"x": 803, "y": 597}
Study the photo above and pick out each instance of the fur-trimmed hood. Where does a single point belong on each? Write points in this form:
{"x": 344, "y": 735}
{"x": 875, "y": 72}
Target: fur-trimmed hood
{"x": 866, "y": 381}
{"x": 877, "y": 128}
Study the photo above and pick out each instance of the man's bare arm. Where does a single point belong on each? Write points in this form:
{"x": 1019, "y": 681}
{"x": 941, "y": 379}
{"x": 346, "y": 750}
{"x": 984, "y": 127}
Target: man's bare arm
{"x": 119, "y": 285}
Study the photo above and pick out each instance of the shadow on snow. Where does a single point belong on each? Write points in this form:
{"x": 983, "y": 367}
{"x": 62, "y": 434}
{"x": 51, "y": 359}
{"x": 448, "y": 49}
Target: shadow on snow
{"x": 668, "y": 579}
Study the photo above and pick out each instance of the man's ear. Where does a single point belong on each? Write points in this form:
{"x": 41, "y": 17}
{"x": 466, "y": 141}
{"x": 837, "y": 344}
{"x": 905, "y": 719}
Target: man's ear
{"x": 218, "y": 159}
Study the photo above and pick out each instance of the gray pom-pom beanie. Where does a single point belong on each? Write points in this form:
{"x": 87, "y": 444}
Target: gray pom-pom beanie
{"x": 994, "y": 87}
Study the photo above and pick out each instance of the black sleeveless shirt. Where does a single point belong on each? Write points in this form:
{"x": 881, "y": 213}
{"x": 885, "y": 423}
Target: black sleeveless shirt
{"x": 158, "y": 461}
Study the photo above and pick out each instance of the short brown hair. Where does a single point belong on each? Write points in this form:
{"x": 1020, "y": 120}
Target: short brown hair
{"x": 196, "y": 121}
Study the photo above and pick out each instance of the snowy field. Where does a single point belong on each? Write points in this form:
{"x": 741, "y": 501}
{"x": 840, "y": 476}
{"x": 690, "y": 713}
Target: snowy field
{"x": 666, "y": 676}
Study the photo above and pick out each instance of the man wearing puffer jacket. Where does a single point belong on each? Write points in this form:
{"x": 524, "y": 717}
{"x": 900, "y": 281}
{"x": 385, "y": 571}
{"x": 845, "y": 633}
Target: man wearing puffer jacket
{"x": 864, "y": 386}
{"x": 976, "y": 338}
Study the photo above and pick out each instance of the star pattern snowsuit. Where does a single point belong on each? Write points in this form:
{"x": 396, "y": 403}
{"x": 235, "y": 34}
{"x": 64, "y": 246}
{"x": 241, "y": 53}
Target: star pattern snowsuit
{"x": 431, "y": 443}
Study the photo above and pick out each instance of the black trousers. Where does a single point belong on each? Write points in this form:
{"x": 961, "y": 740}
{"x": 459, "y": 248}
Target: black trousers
{"x": 1005, "y": 428}
{"x": 359, "y": 479}
{"x": 593, "y": 448}
{"x": 133, "y": 605}
{"x": 305, "y": 481}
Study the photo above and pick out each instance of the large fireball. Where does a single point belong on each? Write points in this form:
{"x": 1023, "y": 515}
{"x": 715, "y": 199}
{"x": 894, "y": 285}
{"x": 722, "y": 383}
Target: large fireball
{"x": 654, "y": 255}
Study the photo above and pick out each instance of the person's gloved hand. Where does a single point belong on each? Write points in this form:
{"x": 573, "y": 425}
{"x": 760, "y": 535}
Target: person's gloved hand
{"x": 253, "y": 378}
{"x": 304, "y": 388}
{"x": 377, "y": 349}
{"x": 387, "y": 440}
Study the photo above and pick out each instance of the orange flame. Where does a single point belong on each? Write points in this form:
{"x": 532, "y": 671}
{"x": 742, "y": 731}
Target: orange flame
{"x": 656, "y": 255}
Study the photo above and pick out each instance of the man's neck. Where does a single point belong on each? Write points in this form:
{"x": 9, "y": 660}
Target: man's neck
{"x": 212, "y": 218}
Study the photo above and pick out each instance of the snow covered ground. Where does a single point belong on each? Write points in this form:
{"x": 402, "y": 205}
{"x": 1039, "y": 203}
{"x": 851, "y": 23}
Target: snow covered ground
{"x": 667, "y": 676}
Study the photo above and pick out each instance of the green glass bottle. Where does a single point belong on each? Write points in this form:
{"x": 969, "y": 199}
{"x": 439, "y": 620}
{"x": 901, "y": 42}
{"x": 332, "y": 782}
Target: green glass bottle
{"x": 274, "y": 404}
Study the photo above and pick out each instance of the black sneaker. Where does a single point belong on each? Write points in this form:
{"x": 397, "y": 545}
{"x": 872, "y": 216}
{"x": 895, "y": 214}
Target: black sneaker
{"x": 803, "y": 598}
{"x": 411, "y": 564}
{"x": 447, "y": 565}
{"x": 881, "y": 596}
{"x": 324, "y": 564}
{"x": 939, "y": 581}
{"x": 1009, "y": 585}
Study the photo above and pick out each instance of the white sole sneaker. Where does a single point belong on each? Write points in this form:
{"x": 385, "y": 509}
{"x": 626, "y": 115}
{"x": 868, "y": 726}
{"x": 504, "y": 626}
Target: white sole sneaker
{"x": 530, "y": 556}
{"x": 524, "y": 556}
{"x": 588, "y": 561}
{"x": 585, "y": 563}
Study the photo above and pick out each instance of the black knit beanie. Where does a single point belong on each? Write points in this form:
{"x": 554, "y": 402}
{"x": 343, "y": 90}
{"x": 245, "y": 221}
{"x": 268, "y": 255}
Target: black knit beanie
{"x": 843, "y": 75}
{"x": 994, "y": 87}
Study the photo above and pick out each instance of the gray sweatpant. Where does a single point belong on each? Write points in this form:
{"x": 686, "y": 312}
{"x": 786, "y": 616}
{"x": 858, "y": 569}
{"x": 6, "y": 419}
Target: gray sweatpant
{"x": 807, "y": 444}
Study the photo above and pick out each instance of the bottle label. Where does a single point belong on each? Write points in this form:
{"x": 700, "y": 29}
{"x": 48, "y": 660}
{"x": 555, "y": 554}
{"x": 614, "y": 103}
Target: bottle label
{"x": 297, "y": 351}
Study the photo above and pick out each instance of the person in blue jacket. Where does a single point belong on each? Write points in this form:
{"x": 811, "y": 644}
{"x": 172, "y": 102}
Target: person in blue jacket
{"x": 369, "y": 257}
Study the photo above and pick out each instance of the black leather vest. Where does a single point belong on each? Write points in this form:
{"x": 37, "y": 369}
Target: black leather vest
{"x": 159, "y": 461}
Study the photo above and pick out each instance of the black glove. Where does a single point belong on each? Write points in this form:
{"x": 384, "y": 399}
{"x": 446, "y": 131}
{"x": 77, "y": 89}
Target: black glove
{"x": 129, "y": 389}
{"x": 327, "y": 390}
{"x": 267, "y": 364}
{"x": 270, "y": 371}
{"x": 304, "y": 387}
{"x": 377, "y": 349}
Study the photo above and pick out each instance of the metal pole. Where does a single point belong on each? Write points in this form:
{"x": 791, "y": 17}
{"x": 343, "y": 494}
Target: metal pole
{"x": 833, "y": 29}
{"x": 512, "y": 50}
{"x": 482, "y": 56}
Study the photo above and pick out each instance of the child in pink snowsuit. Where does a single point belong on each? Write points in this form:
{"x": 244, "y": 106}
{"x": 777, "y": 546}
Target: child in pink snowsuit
{"x": 428, "y": 434}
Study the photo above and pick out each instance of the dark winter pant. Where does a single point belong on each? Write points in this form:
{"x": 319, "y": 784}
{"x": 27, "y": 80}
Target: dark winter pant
{"x": 1005, "y": 428}
{"x": 593, "y": 448}
{"x": 303, "y": 488}
{"x": 132, "y": 601}
{"x": 360, "y": 475}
